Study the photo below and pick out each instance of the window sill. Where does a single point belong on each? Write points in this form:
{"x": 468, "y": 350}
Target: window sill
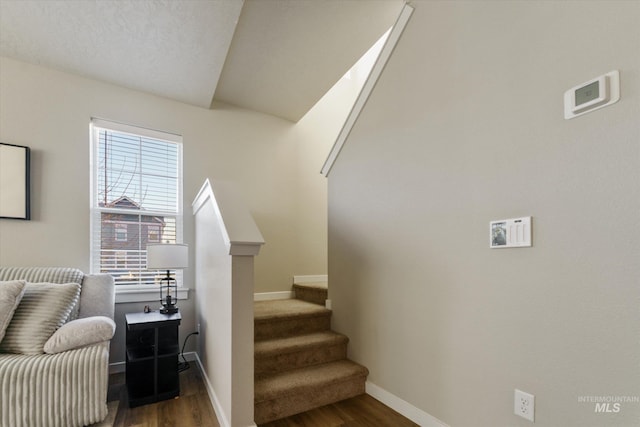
{"x": 125, "y": 294}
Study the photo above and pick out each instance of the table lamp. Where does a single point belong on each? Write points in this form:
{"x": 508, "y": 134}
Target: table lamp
{"x": 167, "y": 256}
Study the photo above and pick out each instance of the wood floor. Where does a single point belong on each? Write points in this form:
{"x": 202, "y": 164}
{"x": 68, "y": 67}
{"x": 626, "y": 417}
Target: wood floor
{"x": 193, "y": 409}
{"x": 359, "y": 411}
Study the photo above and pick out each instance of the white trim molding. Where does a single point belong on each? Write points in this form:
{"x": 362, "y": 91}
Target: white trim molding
{"x": 403, "y": 407}
{"x": 269, "y": 296}
{"x": 144, "y": 293}
{"x": 240, "y": 232}
{"x": 215, "y": 402}
{"x": 317, "y": 278}
{"x": 374, "y": 75}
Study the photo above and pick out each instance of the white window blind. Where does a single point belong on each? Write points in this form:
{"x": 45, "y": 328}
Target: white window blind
{"x": 136, "y": 198}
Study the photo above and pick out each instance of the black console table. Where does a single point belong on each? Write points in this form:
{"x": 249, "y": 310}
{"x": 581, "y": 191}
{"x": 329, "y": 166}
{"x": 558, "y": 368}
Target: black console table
{"x": 152, "y": 357}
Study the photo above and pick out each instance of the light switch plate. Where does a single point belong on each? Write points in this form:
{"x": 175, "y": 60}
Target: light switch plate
{"x": 510, "y": 233}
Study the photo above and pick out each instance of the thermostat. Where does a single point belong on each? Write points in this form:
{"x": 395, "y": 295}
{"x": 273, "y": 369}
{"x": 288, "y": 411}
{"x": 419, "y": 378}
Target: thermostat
{"x": 591, "y": 95}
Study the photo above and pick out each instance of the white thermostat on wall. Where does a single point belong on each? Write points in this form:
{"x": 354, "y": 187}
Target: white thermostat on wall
{"x": 592, "y": 95}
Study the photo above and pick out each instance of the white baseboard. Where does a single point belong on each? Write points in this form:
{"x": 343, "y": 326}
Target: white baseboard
{"x": 297, "y": 280}
{"x": 403, "y": 407}
{"x": 268, "y": 296}
{"x": 217, "y": 407}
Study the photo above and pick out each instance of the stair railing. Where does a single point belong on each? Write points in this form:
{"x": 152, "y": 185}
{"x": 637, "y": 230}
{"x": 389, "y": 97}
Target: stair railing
{"x": 226, "y": 241}
{"x": 367, "y": 88}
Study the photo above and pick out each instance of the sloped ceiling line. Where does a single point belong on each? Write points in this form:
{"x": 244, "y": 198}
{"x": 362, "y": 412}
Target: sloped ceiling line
{"x": 278, "y": 57}
{"x": 376, "y": 71}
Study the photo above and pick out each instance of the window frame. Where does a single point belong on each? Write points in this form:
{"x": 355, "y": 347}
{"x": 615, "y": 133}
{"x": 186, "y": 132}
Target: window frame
{"x": 153, "y": 230}
{"x": 135, "y": 292}
{"x": 120, "y": 230}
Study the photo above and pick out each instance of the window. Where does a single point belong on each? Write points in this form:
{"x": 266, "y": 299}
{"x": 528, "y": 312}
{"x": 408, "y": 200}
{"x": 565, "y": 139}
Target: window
{"x": 136, "y": 198}
{"x": 153, "y": 234}
{"x": 121, "y": 232}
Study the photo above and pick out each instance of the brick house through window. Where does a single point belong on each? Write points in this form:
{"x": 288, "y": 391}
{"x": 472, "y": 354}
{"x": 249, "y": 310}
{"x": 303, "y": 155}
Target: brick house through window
{"x": 124, "y": 238}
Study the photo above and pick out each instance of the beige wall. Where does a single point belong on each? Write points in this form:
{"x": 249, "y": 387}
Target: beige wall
{"x": 49, "y": 111}
{"x": 315, "y": 134}
{"x": 466, "y": 126}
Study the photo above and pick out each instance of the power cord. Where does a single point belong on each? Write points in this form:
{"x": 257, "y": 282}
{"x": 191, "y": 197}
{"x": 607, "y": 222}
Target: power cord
{"x": 183, "y": 366}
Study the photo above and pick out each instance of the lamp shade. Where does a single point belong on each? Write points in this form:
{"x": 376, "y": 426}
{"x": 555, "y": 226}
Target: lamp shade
{"x": 165, "y": 256}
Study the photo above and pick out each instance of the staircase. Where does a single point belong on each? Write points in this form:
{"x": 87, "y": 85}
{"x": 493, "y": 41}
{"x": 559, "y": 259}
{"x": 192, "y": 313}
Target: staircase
{"x": 300, "y": 364}
{"x": 311, "y": 292}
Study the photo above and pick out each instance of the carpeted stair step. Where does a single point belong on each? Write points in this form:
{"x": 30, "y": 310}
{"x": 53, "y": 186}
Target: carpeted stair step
{"x": 312, "y": 292}
{"x": 288, "y": 317}
{"x": 291, "y": 392}
{"x": 284, "y": 354}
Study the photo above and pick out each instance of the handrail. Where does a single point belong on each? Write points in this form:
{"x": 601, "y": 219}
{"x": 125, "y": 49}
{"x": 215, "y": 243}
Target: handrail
{"x": 226, "y": 242}
{"x": 367, "y": 88}
{"x": 240, "y": 231}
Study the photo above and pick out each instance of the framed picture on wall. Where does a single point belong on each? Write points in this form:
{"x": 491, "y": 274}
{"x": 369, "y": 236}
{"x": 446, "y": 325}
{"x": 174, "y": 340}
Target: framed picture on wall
{"x": 14, "y": 181}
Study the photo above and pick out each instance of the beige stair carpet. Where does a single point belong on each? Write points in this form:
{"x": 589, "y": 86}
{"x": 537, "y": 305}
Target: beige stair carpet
{"x": 316, "y": 293}
{"x": 300, "y": 364}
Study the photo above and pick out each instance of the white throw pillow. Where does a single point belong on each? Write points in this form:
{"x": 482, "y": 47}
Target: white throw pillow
{"x": 11, "y": 293}
{"x": 80, "y": 333}
{"x": 43, "y": 309}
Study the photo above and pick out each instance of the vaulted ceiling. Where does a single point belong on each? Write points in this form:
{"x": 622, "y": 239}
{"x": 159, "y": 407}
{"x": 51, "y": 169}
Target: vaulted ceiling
{"x": 274, "y": 56}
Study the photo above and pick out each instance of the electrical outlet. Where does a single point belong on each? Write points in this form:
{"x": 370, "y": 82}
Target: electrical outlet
{"x": 524, "y": 404}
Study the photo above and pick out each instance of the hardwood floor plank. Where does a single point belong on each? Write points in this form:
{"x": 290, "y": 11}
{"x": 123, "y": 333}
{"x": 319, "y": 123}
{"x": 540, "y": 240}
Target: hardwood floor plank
{"x": 193, "y": 409}
{"x": 142, "y": 416}
{"x": 189, "y": 412}
{"x": 189, "y": 383}
{"x": 168, "y": 413}
{"x": 206, "y": 410}
{"x": 359, "y": 411}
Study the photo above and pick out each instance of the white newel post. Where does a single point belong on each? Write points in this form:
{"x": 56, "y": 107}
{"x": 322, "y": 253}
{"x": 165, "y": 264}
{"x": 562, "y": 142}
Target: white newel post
{"x": 226, "y": 241}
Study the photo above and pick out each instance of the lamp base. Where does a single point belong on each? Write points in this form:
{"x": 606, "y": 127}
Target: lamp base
{"x": 168, "y": 309}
